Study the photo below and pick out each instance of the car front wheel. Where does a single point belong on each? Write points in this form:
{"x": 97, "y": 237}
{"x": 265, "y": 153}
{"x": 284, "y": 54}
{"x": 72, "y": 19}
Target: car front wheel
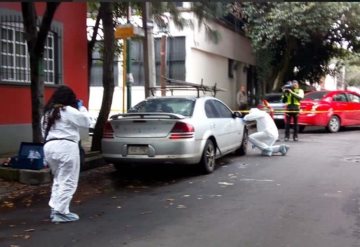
{"x": 334, "y": 124}
{"x": 244, "y": 143}
{"x": 207, "y": 162}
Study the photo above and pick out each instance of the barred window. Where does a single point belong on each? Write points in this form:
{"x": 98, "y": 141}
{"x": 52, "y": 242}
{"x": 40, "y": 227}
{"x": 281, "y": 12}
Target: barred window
{"x": 15, "y": 60}
{"x": 175, "y": 59}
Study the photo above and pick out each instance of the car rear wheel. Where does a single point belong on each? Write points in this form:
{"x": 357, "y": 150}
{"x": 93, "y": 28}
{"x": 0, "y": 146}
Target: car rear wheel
{"x": 207, "y": 162}
{"x": 244, "y": 143}
{"x": 334, "y": 124}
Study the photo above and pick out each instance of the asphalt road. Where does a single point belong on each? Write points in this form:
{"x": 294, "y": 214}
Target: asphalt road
{"x": 309, "y": 198}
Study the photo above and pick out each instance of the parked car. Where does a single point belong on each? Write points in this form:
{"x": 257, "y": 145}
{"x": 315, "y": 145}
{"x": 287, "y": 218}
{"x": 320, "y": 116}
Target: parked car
{"x": 93, "y": 120}
{"x": 331, "y": 109}
{"x": 273, "y": 104}
{"x": 174, "y": 130}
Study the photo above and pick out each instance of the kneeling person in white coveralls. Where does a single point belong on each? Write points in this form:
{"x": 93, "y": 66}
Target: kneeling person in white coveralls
{"x": 267, "y": 133}
{"x": 64, "y": 115}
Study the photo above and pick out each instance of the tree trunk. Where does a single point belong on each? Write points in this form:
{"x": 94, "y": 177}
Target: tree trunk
{"x": 36, "y": 42}
{"x": 91, "y": 45}
{"x": 284, "y": 64}
{"x": 108, "y": 73}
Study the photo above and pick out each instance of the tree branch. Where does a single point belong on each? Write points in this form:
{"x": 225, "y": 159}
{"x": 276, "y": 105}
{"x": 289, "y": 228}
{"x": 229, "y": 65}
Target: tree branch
{"x": 45, "y": 26}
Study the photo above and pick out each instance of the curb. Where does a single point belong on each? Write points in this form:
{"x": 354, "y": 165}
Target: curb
{"x": 37, "y": 177}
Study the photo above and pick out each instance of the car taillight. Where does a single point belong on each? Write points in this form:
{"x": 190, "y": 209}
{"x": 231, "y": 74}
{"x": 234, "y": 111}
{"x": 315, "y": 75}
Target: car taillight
{"x": 182, "y": 131}
{"x": 108, "y": 131}
{"x": 314, "y": 108}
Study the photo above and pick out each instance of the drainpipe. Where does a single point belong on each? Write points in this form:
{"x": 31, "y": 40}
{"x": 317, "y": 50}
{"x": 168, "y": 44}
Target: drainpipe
{"x": 129, "y": 77}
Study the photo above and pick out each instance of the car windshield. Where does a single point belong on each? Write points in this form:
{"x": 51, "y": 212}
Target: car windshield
{"x": 184, "y": 107}
{"x": 273, "y": 98}
{"x": 316, "y": 95}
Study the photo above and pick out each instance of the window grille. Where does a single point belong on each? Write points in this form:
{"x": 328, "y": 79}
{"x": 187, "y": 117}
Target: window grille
{"x": 175, "y": 61}
{"x": 14, "y": 56}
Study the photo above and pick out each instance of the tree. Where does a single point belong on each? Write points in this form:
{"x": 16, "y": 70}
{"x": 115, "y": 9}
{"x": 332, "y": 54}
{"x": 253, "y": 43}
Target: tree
{"x": 36, "y": 39}
{"x": 108, "y": 72}
{"x": 301, "y": 35}
{"x": 352, "y": 74}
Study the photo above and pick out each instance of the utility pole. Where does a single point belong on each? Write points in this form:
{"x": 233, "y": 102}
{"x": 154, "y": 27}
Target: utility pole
{"x": 163, "y": 65}
{"x": 148, "y": 48}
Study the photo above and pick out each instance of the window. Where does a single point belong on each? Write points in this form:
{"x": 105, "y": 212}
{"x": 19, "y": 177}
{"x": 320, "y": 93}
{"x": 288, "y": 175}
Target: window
{"x": 96, "y": 74}
{"x": 353, "y": 98}
{"x": 223, "y": 111}
{"x": 179, "y": 4}
{"x": 210, "y": 110}
{"x": 340, "y": 98}
{"x": 175, "y": 59}
{"x": 184, "y": 107}
{"x": 14, "y": 56}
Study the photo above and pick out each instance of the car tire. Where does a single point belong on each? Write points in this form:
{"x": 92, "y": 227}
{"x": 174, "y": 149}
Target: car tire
{"x": 207, "y": 162}
{"x": 334, "y": 124}
{"x": 244, "y": 143}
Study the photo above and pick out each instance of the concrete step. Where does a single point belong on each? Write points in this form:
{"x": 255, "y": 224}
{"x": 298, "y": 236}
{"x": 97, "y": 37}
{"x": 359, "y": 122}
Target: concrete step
{"x": 35, "y": 177}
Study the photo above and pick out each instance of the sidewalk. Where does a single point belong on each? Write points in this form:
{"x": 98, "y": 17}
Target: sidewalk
{"x": 21, "y": 181}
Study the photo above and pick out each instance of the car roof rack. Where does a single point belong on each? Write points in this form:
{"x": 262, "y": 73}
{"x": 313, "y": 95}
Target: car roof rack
{"x": 173, "y": 84}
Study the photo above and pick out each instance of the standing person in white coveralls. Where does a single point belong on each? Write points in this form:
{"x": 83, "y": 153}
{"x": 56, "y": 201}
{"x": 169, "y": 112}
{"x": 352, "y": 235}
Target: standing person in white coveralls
{"x": 63, "y": 117}
{"x": 267, "y": 133}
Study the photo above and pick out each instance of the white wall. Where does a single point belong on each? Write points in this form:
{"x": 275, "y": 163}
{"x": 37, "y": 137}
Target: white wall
{"x": 205, "y": 61}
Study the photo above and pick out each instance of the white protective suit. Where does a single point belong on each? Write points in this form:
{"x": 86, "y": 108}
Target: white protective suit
{"x": 267, "y": 132}
{"x": 63, "y": 156}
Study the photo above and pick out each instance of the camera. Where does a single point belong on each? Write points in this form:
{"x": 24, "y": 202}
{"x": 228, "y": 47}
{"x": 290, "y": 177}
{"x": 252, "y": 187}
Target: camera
{"x": 287, "y": 87}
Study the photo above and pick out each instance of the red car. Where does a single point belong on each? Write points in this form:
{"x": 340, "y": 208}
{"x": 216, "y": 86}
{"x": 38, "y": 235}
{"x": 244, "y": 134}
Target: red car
{"x": 331, "y": 109}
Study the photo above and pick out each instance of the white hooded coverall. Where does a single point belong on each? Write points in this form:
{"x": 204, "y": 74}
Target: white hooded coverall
{"x": 63, "y": 156}
{"x": 267, "y": 132}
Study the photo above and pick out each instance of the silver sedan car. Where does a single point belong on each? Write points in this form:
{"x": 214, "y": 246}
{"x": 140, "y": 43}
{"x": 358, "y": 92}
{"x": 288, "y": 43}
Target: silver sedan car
{"x": 175, "y": 130}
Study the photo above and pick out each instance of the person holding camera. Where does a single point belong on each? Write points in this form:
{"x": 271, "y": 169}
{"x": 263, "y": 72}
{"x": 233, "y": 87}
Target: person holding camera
{"x": 292, "y": 95}
{"x": 64, "y": 115}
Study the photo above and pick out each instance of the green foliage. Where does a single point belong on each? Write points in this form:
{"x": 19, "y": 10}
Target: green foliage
{"x": 352, "y": 74}
{"x": 308, "y": 34}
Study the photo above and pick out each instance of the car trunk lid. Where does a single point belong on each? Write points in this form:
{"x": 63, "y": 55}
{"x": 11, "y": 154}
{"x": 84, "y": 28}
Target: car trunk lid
{"x": 307, "y": 105}
{"x": 144, "y": 125}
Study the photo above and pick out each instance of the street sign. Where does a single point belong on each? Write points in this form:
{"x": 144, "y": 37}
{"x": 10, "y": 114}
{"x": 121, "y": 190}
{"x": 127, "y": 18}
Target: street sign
{"x": 124, "y": 31}
{"x": 128, "y": 31}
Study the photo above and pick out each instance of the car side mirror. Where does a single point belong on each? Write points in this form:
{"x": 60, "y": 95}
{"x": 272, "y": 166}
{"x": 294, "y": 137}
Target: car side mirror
{"x": 237, "y": 114}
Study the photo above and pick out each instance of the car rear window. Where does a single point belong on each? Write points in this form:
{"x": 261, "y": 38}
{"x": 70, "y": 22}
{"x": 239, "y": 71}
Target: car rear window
{"x": 315, "y": 95}
{"x": 184, "y": 107}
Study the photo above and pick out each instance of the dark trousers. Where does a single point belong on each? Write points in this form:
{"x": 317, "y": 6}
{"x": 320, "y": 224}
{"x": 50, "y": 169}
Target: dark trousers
{"x": 292, "y": 116}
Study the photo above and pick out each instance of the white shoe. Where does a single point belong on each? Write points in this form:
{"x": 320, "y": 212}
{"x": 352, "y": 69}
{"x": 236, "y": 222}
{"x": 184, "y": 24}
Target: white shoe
{"x": 266, "y": 153}
{"x": 62, "y": 218}
{"x": 52, "y": 212}
{"x": 284, "y": 149}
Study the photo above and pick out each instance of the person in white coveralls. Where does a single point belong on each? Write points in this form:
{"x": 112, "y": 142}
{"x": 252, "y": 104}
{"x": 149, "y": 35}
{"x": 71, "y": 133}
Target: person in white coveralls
{"x": 267, "y": 133}
{"x": 63, "y": 117}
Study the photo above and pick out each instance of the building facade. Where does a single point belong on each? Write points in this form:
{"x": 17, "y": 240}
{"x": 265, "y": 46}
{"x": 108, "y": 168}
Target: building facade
{"x": 65, "y": 62}
{"x": 192, "y": 57}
